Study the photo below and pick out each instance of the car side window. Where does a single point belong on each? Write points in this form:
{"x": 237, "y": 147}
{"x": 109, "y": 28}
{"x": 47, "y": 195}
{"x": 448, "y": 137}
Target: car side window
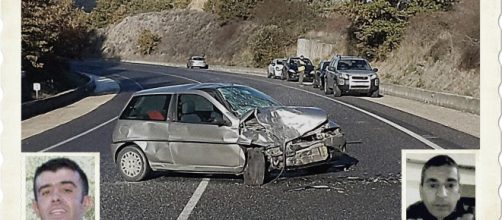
{"x": 197, "y": 109}
{"x": 149, "y": 107}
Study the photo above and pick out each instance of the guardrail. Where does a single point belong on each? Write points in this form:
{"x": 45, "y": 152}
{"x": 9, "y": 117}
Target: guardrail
{"x": 457, "y": 102}
{"x": 36, "y": 107}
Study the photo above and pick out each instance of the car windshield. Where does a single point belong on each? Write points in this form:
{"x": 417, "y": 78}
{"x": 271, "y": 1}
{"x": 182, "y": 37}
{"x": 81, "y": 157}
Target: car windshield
{"x": 279, "y": 62}
{"x": 242, "y": 99}
{"x": 353, "y": 65}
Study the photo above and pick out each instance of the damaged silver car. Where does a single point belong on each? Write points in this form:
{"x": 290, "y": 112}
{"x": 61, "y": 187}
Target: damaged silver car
{"x": 220, "y": 128}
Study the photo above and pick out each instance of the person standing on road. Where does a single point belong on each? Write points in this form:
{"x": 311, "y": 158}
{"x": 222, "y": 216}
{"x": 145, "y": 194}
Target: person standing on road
{"x": 301, "y": 69}
{"x": 441, "y": 193}
{"x": 61, "y": 190}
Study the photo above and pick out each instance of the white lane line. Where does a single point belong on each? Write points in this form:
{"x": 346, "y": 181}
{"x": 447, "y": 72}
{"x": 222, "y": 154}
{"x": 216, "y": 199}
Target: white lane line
{"x": 399, "y": 127}
{"x": 92, "y": 129}
{"x": 194, "y": 200}
{"x": 80, "y": 135}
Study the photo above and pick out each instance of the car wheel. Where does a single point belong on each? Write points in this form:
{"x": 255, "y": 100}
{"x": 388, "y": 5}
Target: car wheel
{"x": 375, "y": 93}
{"x": 254, "y": 172}
{"x": 269, "y": 75}
{"x": 326, "y": 88}
{"x": 133, "y": 164}
{"x": 336, "y": 91}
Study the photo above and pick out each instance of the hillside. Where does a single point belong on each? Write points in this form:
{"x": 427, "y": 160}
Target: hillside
{"x": 439, "y": 51}
{"x": 183, "y": 33}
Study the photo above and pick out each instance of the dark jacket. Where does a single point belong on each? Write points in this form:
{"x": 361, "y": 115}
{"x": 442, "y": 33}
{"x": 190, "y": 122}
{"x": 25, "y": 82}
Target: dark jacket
{"x": 419, "y": 211}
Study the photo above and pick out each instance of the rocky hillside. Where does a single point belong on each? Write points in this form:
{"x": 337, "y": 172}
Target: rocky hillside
{"x": 439, "y": 51}
{"x": 182, "y": 33}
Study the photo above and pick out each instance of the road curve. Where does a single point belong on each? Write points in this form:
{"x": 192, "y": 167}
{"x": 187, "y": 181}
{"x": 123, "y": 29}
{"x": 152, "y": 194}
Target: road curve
{"x": 368, "y": 190}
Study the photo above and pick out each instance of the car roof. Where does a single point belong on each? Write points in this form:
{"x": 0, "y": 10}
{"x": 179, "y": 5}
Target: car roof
{"x": 183, "y": 88}
{"x": 196, "y": 57}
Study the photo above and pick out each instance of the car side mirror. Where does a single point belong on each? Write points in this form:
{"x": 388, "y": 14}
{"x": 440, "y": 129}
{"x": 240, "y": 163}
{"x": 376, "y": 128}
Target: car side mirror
{"x": 375, "y": 70}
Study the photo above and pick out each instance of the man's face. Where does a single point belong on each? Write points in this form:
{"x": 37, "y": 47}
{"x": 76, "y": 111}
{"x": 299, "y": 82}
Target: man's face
{"x": 440, "y": 190}
{"x": 59, "y": 195}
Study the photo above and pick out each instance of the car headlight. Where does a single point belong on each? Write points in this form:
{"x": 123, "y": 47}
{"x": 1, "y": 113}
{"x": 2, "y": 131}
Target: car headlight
{"x": 341, "y": 82}
{"x": 373, "y": 76}
{"x": 345, "y": 76}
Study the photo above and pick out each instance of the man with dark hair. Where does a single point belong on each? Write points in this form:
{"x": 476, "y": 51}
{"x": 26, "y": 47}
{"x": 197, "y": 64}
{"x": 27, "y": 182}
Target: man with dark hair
{"x": 440, "y": 193}
{"x": 61, "y": 190}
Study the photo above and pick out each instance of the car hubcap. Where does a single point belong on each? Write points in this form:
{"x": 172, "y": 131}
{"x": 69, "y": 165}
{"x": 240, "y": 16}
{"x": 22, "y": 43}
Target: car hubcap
{"x": 131, "y": 164}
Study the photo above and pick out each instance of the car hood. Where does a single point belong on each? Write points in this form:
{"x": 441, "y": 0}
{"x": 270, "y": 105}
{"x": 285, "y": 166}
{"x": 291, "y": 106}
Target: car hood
{"x": 283, "y": 123}
{"x": 357, "y": 72}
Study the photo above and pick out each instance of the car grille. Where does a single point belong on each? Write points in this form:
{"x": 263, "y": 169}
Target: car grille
{"x": 360, "y": 78}
{"x": 359, "y": 83}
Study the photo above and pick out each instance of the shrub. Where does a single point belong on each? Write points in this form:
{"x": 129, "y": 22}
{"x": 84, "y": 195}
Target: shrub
{"x": 230, "y": 9}
{"x": 112, "y": 11}
{"x": 376, "y": 27}
{"x": 267, "y": 43}
{"x": 147, "y": 42}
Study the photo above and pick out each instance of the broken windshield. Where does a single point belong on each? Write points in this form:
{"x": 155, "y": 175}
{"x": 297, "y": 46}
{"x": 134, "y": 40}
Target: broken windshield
{"x": 242, "y": 99}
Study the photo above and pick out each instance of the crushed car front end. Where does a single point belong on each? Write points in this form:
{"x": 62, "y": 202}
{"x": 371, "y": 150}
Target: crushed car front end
{"x": 294, "y": 137}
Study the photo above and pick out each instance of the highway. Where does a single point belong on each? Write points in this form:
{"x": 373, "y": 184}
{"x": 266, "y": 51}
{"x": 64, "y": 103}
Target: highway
{"x": 369, "y": 190}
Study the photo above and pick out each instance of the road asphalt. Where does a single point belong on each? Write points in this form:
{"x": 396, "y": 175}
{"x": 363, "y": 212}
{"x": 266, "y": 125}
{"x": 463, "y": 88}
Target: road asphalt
{"x": 106, "y": 89}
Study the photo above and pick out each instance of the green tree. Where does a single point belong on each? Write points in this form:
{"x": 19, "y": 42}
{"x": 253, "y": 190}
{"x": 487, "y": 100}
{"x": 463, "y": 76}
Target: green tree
{"x": 268, "y": 43}
{"x": 51, "y": 28}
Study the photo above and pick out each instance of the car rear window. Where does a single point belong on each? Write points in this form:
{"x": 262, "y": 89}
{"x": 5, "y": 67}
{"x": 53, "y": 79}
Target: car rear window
{"x": 149, "y": 107}
{"x": 198, "y": 58}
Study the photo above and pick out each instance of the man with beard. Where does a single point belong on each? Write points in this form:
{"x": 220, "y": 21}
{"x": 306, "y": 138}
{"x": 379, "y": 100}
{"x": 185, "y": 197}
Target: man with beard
{"x": 440, "y": 193}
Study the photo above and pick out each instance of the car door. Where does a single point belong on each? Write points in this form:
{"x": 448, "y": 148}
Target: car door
{"x": 145, "y": 121}
{"x": 330, "y": 73}
{"x": 199, "y": 141}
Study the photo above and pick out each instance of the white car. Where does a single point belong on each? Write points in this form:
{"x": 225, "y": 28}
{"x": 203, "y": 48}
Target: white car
{"x": 197, "y": 61}
{"x": 274, "y": 69}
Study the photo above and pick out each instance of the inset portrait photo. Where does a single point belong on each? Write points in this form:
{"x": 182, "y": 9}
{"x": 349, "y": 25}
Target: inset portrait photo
{"x": 439, "y": 184}
{"x": 60, "y": 186}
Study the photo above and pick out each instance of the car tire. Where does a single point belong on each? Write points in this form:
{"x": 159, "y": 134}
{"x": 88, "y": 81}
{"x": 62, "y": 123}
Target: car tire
{"x": 269, "y": 75}
{"x": 375, "y": 94}
{"x": 133, "y": 164}
{"x": 326, "y": 88}
{"x": 254, "y": 172}
{"x": 282, "y": 75}
{"x": 336, "y": 91}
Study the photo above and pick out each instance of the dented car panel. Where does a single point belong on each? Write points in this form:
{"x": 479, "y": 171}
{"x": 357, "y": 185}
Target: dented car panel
{"x": 208, "y": 128}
